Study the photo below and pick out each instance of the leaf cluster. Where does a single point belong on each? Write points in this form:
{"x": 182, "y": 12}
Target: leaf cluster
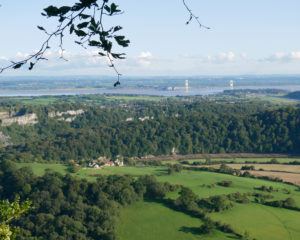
{"x": 84, "y": 21}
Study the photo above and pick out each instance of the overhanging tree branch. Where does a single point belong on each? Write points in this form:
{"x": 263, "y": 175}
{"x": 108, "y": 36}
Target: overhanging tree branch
{"x": 193, "y": 16}
{"x": 84, "y": 20}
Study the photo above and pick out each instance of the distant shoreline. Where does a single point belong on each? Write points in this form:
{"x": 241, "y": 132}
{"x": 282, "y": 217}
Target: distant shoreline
{"x": 133, "y": 91}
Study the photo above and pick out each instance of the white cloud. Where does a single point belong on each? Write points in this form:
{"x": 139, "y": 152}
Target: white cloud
{"x": 144, "y": 63}
{"x": 145, "y": 58}
{"x": 284, "y": 57}
{"x": 226, "y": 57}
{"x": 219, "y": 58}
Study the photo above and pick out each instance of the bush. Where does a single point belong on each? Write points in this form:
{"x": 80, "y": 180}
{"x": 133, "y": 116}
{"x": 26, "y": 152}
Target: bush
{"x": 239, "y": 198}
{"x": 288, "y": 203}
{"x": 185, "y": 162}
{"x": 73, "y": 168}
{"x": 266, "y": 189}
{"x": 215, "y": 203}
{"x": 207, "y": 227}
{"x": 248, "y": 168}
{"x": 129, "y": 161}
{"x": 225, "y": 183}
{"x": 174, "y": 168}
{"x": 274, "y": 161}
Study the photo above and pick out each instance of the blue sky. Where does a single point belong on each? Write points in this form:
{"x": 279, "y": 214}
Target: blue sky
{"x": 247, "y": 37}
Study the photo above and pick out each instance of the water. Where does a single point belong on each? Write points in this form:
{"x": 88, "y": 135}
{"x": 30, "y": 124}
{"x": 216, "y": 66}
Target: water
{"x": 134, "y": 91}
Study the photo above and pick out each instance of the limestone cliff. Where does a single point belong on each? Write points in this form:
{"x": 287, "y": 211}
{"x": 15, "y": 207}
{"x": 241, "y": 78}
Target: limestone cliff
{"x": 67, "y": 116}
{"x": 7, "y": 119}
{"x": 4, "y": 140}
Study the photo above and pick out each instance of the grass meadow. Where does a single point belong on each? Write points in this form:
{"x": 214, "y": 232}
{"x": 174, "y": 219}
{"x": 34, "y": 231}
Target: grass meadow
{"x": 153, "y": 221}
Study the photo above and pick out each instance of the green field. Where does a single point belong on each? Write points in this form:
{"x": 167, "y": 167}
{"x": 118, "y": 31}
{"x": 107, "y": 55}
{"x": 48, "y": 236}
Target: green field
{"x": 279, "y": 100}
{"x": 153, "y": 221}
{"x": 40, "y": 168}
{"x": 262, "y": 222}
{"x": 41, "y": 101}
{"x": 192, "y": 179}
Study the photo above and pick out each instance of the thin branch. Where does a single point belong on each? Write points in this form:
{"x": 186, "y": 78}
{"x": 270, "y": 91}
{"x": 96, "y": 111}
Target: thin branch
{"x": 89, "y": 30}
{"x": 84, "y": 20}
{"x": 193, "y": 16}
{"x": 39, "y": 55}
{"x": 112, "y": 65}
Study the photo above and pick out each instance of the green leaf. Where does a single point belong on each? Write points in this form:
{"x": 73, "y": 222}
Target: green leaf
{"x": 114, "y": 9}
{"x": 94, "y": 43}
{"x": 31, "y": 66}
{"x": 18, "y": 65}
{"x": 117, "y": 28}
{"x": 64, "y": 9}
{"x": 122, "y": 41}
{"x": 93, "y": 23}
{"x": 106, "y": 45}
{"x": 118, "y": 55}
{"x": 107, "y": 8}
{"x": 102, "y": 54}
{"x": 80, "y": 33}
{"x": 41, "y": 28}
{"x": 84, "y": 16}
{"x": 72, "y": 29}
{"x": 52, "y": 11}
{"x": 83, "y": 25}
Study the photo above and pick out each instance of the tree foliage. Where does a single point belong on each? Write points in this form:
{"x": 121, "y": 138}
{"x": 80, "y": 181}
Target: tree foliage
{"x": 84, "y": 20}
{"x": 190, "y": 128}
{"x": 10, "y": 211}
{"x": 64, "y": 207}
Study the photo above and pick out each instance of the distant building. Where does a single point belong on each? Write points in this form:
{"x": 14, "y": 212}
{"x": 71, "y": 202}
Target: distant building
{"x": 186, "y": 86}
{"x": 119, "y": 163}
{"x": 231, "y": 84}
{"x": 94, "y": 165}
{"x": 109, "y": 164}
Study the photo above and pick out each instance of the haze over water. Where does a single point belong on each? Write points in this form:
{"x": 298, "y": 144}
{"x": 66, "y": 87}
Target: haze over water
{"x": 160, "y": 86}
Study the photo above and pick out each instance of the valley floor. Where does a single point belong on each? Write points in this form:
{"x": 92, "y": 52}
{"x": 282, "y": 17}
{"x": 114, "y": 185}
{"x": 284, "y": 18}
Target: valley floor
{"x": 154, "y": 221}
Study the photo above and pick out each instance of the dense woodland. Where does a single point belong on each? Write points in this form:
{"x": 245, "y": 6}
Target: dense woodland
{"x": 64, "y": 207}
{"x": 186, "y": 126}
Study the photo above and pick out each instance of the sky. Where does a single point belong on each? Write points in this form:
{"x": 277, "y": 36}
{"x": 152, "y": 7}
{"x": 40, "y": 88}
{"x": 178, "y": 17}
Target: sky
{"x": 246, "y": 37}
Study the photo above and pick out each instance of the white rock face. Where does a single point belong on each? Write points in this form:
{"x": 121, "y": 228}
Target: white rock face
{"x": 129, "y": 119}
{"x": 4, "y": 140}
{"x": 4, "y": 115}
{"x": 68, "y": 116}
{"x": 69, "y": 112}
{"x": 26, "y": 119}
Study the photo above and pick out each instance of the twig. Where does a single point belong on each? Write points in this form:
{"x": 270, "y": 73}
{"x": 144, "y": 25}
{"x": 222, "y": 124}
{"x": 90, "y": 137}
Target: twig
{"x": 193, "y": 16}
{"x": 87, "y": 26}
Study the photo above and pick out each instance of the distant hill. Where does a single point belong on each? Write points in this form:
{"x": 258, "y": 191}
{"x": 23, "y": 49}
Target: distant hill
{"x": 294, "y": 95}
{"x": 264, "y": 91}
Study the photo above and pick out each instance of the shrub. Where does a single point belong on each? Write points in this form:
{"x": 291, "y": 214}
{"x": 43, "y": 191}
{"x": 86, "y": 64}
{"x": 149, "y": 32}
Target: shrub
{"x": 225, "y": 183}
{"x": 248, "y": 168}
{"x": 207, "y": 227}
{"x": 174, "y": 168}
{"x": 274, "y": 161}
